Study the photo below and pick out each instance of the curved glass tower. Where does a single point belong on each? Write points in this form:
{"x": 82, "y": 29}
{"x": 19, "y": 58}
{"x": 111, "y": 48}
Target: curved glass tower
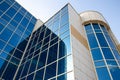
{"x": 103, "y": 49}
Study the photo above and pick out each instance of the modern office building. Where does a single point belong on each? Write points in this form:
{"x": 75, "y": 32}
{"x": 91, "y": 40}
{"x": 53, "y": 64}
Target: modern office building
{"x": 69, "y": 46}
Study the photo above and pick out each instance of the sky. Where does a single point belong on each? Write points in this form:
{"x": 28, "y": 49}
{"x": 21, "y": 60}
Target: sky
{"x": 44, "y": 9}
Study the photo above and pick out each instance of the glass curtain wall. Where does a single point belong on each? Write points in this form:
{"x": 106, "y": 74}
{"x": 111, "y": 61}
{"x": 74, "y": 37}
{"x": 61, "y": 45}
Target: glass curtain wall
{"x": 16, "y": 24}
{"x": 104, "y": 52}
{"x": 49, "y": 52}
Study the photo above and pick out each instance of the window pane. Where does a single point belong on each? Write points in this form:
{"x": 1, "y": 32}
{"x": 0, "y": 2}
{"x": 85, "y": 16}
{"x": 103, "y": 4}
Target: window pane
{"x": 107, "y": 53}
{"x": 92, "y": 39}
{"x": 95, "y": 26}
{"x": 39, "y": 75}
{"x": 101, "y": 40}
{"x": 88, "y": 27}
{"x": 97, "y": 55}
{"x": 103, "y": 73}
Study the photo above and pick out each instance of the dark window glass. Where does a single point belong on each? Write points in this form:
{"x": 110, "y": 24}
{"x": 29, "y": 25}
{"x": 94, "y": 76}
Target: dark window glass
{"x": 4, "y": 6}
{"x": 50, "y": 71}
{"x": 115, "y": 71}
{"x": 14, "y": 60}
{"x": 1, "y": 13}
{"x": 42, "y": 59}
{"x": 39, "y": 75}
{"x": 3, "y": 64}
{"x": 95, "y": 26}
{"x": 103, "y": 28}
{"x": 88, "y": 27}
{"x": 99, "y": 63}
{"x": 30, "y": 77}
{"x": 52, "y": 55}
{"x": 10, "y": 72}
{"x": 18, "y": 54}
{"x": 103, "y": 73}
{"x": 62, "y": 49}
{"x": 47, "y": 32}
{"x": 107, "y": 53}
{"x": 11, "y": 12}
{"x": 62, "y": 66}
{"x": 25, "y": 70}
{"x": 101, "y": 40}
{"x": 18, "y": 17}
{"x": 92, "y": 40}
{"x": 19, "y": 72}
{"x": 33, "y": 64}
{"x": 62, "y": 77}
{"x": 97, "y": 55}
{"x": 8, "y": 48}
{"x": 22, "y": 45}
{"x": 6, "y": 34}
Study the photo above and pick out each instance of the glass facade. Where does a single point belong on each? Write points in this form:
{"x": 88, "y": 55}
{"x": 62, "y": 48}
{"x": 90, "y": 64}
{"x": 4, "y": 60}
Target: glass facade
{"x": 104, "y": 52}
{"x": 49, "y": 52}
{"x": 16, "y": 25}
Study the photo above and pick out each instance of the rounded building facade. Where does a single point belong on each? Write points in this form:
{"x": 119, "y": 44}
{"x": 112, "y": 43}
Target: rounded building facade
{"x": 104, "y": 53}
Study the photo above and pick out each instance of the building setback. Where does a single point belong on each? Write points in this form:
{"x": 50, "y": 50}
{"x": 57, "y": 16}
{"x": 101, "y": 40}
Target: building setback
{"x": 69, "y": 46}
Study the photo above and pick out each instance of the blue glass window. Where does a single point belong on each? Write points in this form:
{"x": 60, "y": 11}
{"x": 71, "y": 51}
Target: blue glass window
{"x": 107, "y": 53}
{"x": 1, "y": 27}
{"x": 88, "y": 27}
{"x": 39, "y": 75}
{"x": 62, "y": 77}
{"x": 4, "y": 6}
{"x": 97, "y": 55}
{"x": 25, "y": 70}
{"x": 3, "y": 64}
{"x": 64, "y": 19}
{"x": 110, "y": 41}
{"x": 62, "y": 49}
{"x": 64, "y": 28}
{"x": 42, "y": 59}
{"x": 50, "y": 71}
{"x": 62, "y": 65}
{"x": 14, "y": 40}
{"x": 18, "y": 54}
{"x": 14, "y": 60}
{"x": 18, "y": 17}
{"x": 30, "y": 77}
{"x": 101, "y": 40}
{"x": 99, "y": 63}
{"x": 5, "y": 56}
{"x": 11, "y": 12}
{"x": 10, "y": 71}
{"x": 52, "y": 55}
{"x": 103, "y": 73}
{"x": 111, "y": 63}
{"x": 24, "y": 22}
{"x": 6, "y": 34}
{"x": 115, "y": 71}
{"x": 33, "y": 64}
{"x": 95, "y": 26}
{"x": 2, "y": 44}
{"x": 8, "y": 48}
{"x": 30, "y": 26}
{"x": 92, "y": 39}
{"x": 6, "y": 18}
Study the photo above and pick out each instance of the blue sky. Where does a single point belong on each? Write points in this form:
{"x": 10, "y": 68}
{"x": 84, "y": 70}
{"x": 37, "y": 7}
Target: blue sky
{"x": 44, "y": 9}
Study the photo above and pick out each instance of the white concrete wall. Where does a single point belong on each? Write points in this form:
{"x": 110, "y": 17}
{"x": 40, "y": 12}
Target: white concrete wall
{"x": 37, "y": 25}
{"x": 83, "y": 66}
{"x": 91, "y": 15}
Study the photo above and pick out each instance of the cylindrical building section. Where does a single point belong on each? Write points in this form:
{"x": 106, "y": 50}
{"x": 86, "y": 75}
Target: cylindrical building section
{"x": 102, "y": 46}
